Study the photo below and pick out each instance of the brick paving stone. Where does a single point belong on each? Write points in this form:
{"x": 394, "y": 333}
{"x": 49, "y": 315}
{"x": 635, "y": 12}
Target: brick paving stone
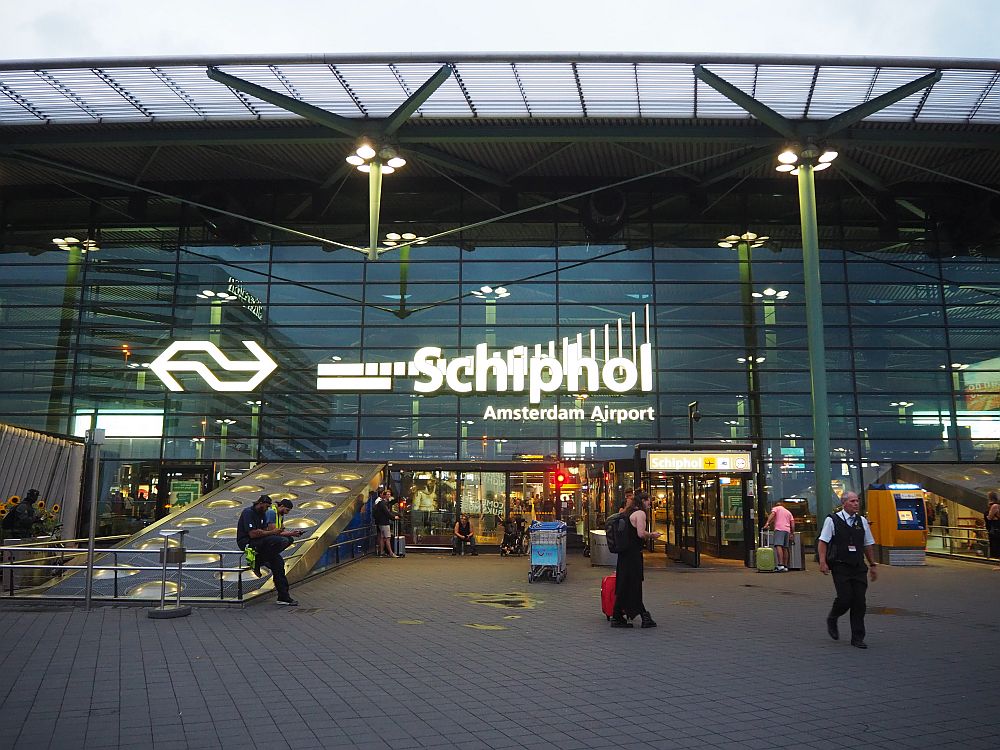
{"x": 554, "y": 676}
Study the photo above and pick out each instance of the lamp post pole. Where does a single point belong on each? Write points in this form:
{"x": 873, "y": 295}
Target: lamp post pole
{"x": 814, "y": 336}
{"x": 744, "y": 248}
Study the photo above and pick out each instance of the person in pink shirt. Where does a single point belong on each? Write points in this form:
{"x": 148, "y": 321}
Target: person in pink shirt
{"x": 783, "y": 523}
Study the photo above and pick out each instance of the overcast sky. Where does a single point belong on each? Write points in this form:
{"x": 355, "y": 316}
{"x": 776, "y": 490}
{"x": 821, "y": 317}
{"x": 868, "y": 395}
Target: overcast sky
{"x": 48, "y": 29}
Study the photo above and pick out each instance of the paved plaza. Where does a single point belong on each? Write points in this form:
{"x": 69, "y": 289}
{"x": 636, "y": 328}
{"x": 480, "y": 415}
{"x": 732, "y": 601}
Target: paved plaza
{"x": 441, "y": 652}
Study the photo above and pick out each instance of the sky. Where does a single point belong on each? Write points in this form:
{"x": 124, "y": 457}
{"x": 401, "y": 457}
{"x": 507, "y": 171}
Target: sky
{"x": 54, "y": 29}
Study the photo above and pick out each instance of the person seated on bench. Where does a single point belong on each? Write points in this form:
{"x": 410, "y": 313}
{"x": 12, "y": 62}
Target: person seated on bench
{"x": 463, "y": 535}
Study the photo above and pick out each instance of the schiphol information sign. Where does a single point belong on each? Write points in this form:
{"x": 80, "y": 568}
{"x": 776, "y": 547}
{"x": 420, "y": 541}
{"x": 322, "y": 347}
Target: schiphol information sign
{"x": 575, "y": 366}
{"x": 723, "y": 462}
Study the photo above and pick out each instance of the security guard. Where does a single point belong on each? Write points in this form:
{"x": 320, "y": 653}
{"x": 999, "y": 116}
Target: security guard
{"x": 844, "y": 537}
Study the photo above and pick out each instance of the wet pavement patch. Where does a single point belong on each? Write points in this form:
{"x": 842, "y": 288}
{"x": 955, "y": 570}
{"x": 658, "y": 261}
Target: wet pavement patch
{"x": 510, "y": 600}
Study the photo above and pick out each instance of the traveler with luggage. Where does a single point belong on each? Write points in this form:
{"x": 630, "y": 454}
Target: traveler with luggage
{"x": 784, "y": 527}
{"x": 629, "y": 539}
{"x": 845, "y": 543}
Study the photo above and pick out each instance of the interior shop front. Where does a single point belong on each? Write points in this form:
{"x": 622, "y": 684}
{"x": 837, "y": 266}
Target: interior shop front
{"x": 434, "y": 495}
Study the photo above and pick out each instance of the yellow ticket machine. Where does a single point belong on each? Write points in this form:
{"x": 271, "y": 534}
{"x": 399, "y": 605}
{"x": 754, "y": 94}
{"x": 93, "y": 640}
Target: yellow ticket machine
{"x": 898, "y": 518}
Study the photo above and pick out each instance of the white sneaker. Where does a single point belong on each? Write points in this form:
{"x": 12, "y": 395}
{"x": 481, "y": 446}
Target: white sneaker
{"x": 781, "y": 569}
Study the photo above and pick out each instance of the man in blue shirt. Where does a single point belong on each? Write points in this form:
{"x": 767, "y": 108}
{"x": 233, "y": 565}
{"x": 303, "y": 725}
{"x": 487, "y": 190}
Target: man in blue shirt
{"x": 267, "y": 544}
{"x": 844, "y": 536}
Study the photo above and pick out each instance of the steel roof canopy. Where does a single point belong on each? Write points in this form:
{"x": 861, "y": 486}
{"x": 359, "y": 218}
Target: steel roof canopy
{"x": 520, "y": 87}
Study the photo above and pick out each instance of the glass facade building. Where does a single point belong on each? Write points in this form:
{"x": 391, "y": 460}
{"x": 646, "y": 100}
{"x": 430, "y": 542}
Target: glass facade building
{"x": 910, "y": 316}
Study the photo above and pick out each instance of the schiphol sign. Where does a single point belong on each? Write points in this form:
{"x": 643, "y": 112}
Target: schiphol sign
{"x": 574, "y": 366}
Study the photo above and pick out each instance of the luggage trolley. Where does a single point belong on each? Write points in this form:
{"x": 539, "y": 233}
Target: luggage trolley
{"x": 548, "y": 550}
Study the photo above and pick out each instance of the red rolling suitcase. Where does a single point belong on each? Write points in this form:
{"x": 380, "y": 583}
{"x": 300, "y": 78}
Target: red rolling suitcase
{"x": 608, "y": 595}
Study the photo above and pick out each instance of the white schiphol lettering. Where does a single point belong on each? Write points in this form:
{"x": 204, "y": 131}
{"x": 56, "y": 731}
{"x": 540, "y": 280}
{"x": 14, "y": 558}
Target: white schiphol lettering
{"x": 456, "y": 366}
{"x": 425, "y": 364}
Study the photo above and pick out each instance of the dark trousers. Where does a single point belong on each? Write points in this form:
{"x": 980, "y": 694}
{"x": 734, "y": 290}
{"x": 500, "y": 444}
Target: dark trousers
{"x": 269, "y": 550}
{"x": 851, "y": 582}
{"x": 458, "y": 543}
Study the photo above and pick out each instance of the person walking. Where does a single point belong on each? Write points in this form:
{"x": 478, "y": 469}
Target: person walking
{"x": 629, "y": 572}
{"x": 266, "y": 544}
{"x": 784, "y": 527}
{"x": 993, "y": 523}
{"x": 845, "y": 543}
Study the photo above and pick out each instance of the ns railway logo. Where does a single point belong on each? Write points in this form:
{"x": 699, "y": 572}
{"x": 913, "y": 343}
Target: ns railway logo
{"x": 612, "y": 360}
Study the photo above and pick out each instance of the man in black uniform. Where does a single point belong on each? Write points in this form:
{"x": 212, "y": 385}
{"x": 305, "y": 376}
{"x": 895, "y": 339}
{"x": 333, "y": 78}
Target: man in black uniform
{"x": 844, "y": 536}
{"x": 252, "y": 531}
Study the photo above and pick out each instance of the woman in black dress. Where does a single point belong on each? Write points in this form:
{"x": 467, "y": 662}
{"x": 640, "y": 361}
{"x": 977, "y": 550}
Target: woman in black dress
{"x": 993, "y": 523}
{"x": 628, "y": 575}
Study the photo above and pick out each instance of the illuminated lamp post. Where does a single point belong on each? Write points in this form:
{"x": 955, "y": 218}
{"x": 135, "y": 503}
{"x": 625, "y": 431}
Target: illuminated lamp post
{"x": 768, "y": 297}
{"x": 216, "y": 300}
{"x": 254, "y": 427}
{"x": 902, "y": 406}
{"x": 803, "y": 162}
{"x": 224, "y": 432}
{"x": 465, "y": 424}
{"x": 490, "y": 295}
{"x": 744, "y": 244}
{"x": 375, "y": 161}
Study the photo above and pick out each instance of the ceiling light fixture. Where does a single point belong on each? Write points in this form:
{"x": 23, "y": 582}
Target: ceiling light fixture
{"x": 385, "y": 156}
{"x": 750, "y": 238}
{"x": 794, "y": 156}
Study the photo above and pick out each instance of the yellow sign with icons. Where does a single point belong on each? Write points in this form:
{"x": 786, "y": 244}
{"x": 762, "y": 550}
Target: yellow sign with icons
{"x": 723, "y": 462}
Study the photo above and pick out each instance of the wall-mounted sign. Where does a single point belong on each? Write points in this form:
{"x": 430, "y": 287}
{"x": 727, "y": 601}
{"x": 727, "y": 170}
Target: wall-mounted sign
{"x": 735, "y": 462}
{"x": 609, "y": 363}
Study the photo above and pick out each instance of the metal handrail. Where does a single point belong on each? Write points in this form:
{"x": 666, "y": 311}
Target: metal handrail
{"x": 355, "y": 536}
{"x": 22, "y": 545}
{"x": 959, "y": 541}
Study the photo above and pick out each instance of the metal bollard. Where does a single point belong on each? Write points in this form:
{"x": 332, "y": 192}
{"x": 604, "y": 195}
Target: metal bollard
{"x": 175, "y": 555}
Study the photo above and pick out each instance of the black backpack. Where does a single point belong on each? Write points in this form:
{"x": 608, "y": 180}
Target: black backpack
{"x": 620, "y": 537}
{"x": 21, "y": 516}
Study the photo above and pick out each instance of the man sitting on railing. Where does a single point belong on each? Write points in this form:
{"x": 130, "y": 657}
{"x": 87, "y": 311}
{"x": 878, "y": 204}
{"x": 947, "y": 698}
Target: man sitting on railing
{"x": 267, "y": 545}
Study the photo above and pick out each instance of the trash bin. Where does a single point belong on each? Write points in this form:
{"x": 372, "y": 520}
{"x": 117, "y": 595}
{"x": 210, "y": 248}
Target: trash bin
{"x": 600, "y": 555}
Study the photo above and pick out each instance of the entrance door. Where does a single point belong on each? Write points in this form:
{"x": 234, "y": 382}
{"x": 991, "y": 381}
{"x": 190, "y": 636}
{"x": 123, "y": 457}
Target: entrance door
{"x": 688, "y": 518}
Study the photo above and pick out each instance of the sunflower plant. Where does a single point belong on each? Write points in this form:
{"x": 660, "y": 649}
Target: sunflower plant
{"x": 47, "y": 517}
